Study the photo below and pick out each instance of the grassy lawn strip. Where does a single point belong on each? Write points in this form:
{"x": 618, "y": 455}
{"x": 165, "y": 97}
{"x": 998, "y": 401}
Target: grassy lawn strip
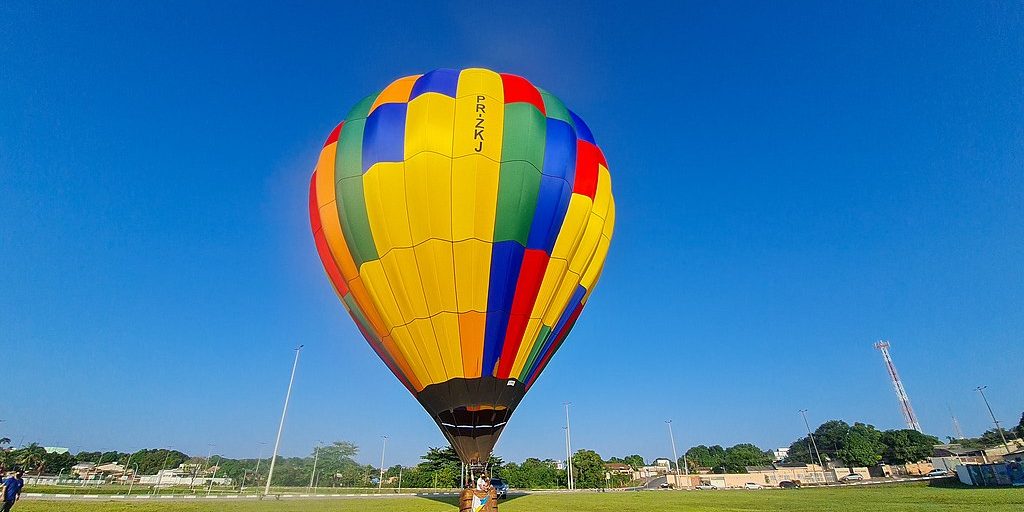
{"x": 889, "y": 498}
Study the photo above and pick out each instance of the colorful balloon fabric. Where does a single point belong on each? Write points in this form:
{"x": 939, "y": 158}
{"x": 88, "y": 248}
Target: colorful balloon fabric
{"x": 463, "y": 218}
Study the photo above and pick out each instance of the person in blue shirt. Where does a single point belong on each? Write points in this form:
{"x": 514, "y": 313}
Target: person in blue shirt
{"x": 12, "y": 490}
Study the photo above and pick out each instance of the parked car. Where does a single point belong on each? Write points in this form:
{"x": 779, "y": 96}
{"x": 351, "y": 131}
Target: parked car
{"x": 500, "y": 487}
{"x": 751, "y": 485}
{"x": 706, "y": 487}
{"x": 789, "y": 484}
{"x": 938, "y": 472}
{"x": 665, "y": 485}
{"x": 852, "y": 477}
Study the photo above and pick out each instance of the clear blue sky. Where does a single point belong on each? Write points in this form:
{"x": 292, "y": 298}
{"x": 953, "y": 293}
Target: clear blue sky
{"x": 794, "y": 182}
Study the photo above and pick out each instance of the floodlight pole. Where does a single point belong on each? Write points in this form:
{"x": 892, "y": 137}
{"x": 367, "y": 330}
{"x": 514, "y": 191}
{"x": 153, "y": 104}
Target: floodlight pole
{"x": 675, "y": 455}
{"x": 209, "y": 488}
{"x": 821, "y": 467}
{"x": 160, "y": 474}
{"x": 316, "y": 455}
{"x": 380, "y": 482}
{"x": 280, "y": 426}
{"x": 981, "y": 389}
{"x": 259, "y": 458}
{"x": 568, "y": 448}
{"x": 131, "y": 483}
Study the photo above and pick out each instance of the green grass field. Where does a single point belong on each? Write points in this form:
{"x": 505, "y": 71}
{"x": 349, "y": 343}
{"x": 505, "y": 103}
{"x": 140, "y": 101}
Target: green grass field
{"x": 888, "y": 498}
{"x": 200, "y": 490}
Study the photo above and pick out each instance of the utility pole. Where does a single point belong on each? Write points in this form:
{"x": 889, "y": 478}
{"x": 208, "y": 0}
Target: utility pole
{"x": 803, "y": 412}
{"x": 897, "y": 384}
{"x": 259, "y": 458}
{"x": 380, "y": 483}
{"x": 675, "y": 456}
{"x": 280, "y": 426}
{"x": 981, "y": 389}
{"x": 316, "y": 455}
{"x": 568, "y": 448}
{"x": 160, "y": 474}
{"x": 209, "y": 489}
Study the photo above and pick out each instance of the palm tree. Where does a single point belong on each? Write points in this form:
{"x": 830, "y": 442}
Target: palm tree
{"x": 32, "y": 457}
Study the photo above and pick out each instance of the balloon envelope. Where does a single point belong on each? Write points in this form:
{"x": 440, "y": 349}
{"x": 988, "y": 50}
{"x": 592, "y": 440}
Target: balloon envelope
{"x": 463, "y": 218}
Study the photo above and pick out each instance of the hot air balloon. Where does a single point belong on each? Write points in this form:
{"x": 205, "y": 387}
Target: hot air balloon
{"x": 463, "y": 218}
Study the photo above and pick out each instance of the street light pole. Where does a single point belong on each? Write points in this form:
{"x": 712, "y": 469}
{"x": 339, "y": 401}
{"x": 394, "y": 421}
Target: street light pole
{"x": 803, "y": 412}
{"x": 675, "y": 455}
{"x": 259, "y": 458}
{"x": 280, "y": 426}
{"x": 380, "y": 482}
{"x": 131, "y": 483}
{"x": 568, "y": 447}
{"x": 981, "y": 389}
{"x": 316, "y": 455}
{"x": 160, "y": 473}
{"x": 216, "y": 468}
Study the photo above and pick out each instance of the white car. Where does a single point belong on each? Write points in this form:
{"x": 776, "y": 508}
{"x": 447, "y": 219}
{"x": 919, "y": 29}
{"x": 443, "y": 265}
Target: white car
{"x": 852, "y": 477}
{"x": 938, "y": 472}
{"x": 751, "y": 485}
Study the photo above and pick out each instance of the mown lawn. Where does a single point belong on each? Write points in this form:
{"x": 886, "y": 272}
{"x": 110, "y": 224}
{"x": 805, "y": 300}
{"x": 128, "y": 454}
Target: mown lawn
{"x": 889, "y": 498}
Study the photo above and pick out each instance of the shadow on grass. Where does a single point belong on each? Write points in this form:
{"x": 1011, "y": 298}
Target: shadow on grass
{"x": 954, "y": 483}
{"x": 454, "y": 500}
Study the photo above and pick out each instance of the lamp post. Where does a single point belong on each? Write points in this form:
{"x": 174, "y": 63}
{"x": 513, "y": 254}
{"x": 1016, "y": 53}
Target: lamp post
{"x": 195, "y": 469}
{"x": 821, "y": 467}
{"x": 568, "y": 448}
{"x": 280, "y": 426}
{"x": 380, "y": 482}
{"x": 316, "y": 455}
{"x": 981, "y": 389}
{"x": 131, "y": 483}
{"x": 214, "y": 477}
{"x": 160, "y": 473}
{"x": 259, "y": 458}
{"x": 675, "y": 455}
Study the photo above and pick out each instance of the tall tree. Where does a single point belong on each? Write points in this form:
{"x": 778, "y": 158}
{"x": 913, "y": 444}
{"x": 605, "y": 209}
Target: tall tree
{"x": 634, "y": 461}
{"x": 706, "y": 456}
{"x": 906, "y": 446}
{"x": 32, "y": 458}
{"x": 1019, "y": 429}
{"x": 588, "y": 469}
{"x": 862, "y": 446}
{"x": 738, "y": 457}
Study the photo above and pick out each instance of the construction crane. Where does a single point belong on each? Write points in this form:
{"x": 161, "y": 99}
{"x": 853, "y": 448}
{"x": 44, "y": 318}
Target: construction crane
{"x": 897, "y": 384}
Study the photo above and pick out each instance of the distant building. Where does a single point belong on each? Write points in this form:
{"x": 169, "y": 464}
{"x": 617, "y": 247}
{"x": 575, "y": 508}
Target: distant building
{"x": 662, "y": 462}
{"x": 89, "y": 470}
{"x": 780, "y": 454}
{"x": 60, "y": 450}
{"x": 769, "y": 476}
{"x": 617, "y": 468}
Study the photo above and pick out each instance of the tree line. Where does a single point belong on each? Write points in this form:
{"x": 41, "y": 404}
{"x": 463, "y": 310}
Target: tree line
{"x": 859, "y": 444}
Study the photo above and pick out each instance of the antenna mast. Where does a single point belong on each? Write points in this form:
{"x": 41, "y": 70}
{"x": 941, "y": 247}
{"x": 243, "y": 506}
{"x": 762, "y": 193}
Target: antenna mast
{"x": 956, "y": 423}
{"x": 897, "y": 384}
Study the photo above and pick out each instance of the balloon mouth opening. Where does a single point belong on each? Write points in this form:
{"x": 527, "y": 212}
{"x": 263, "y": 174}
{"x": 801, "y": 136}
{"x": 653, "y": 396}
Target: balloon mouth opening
{"x": 471, "y": 413}
{"x": 474, "y": 420}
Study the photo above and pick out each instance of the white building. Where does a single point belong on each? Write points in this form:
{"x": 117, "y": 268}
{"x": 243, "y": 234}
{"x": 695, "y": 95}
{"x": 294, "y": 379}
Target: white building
{"x": 780, "y": 454}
